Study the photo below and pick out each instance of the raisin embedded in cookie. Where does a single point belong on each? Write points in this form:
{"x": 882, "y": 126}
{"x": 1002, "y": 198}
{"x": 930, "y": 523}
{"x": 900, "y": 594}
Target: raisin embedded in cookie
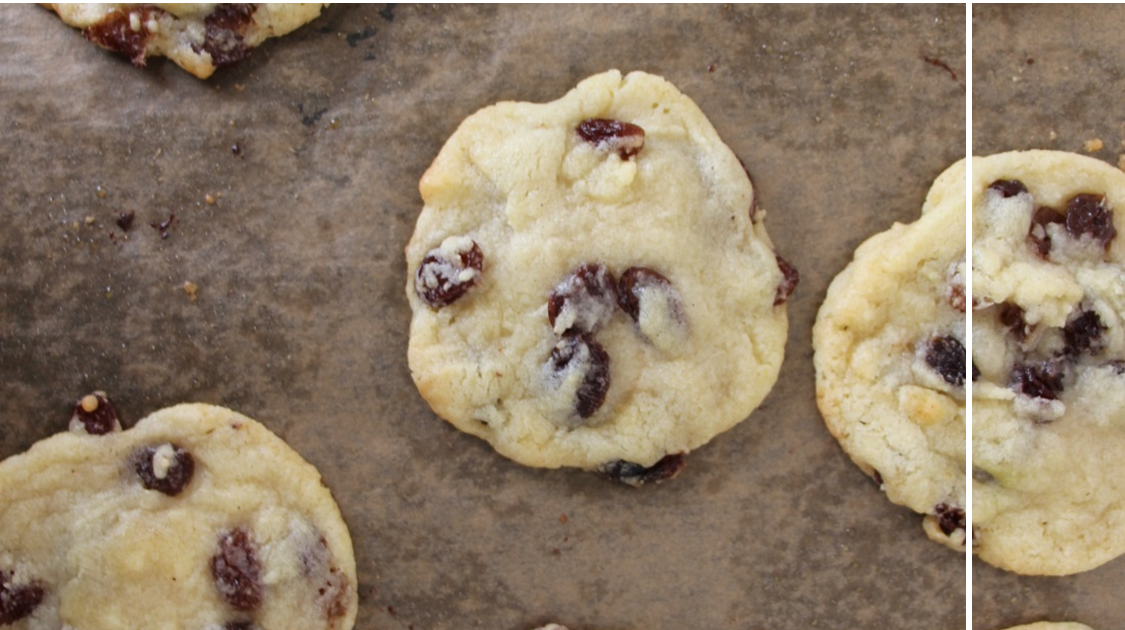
{"x": 592, "y": 283}
{"x": 1049, "y": 362}
{"x": 199, "y": 37}
{"x": 890, "y": 360}
{"x": 197, "y": 516}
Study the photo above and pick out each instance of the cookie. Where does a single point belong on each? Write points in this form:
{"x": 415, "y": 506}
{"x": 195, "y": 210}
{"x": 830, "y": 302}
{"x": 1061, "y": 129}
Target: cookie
{"x": 198, "y": 37}
{"x": 591, "y": 281}
{"x": 1052, "y": 625}
{"x": 197, "y": 517}
{"x": 889, "y": 346}
{"x": 1048, "y": 362}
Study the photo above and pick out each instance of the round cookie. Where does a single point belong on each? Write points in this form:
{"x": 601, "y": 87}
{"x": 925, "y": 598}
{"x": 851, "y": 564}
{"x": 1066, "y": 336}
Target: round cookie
{"x": 196, "y": 518}
{"x": 1052, "y": 625}
{"x": 592, "y": 282}
{"x": 890, "y": 360}
{"x": 1048, "y": 362}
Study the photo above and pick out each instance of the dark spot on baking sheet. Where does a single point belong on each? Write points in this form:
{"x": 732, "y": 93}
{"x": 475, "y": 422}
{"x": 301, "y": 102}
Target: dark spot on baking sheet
{"x": 950, "y": 518}
{"x": 97, "y": 414}
{"x": 164, "y": 226}
{"x": 636, "y": 475}
{"x": 17, "y": 601}
{"x": 354, "y": 39}
{"x": 172, "y": 481}
{"x": 1030, "y": 61}
{"x": 236, "y": 149}
{"x": 125, "y": 220}
{"x": 388, "y": 11}
{"x": 938, "y": 63}
{"x": 309, "y": 120}
{"x": 237, "y": 571}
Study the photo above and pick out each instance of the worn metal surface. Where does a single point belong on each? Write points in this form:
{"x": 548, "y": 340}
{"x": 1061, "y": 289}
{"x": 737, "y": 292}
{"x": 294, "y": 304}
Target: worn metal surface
{"x": 1049, "y": 77}
{"x": 844, "y": 114}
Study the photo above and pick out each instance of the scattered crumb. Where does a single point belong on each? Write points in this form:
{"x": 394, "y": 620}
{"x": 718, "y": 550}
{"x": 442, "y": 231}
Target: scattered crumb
{"x": 191, "y": 289}
{"x": 1094, "y": 145}
{"x": 1054, "y": 135}
{"x": 210, "y": 199}
{"x": 238, "y": 87}
{"x": 100, "y": 192}
{"x": 89, "y": 403}
{"x": 90, "y": 220}
{"x": 563, "y": 519}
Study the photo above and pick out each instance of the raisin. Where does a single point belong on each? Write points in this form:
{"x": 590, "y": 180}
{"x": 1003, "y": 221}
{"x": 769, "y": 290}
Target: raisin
{"x": 1038, "y": 381}
{"x": 115, "y": 32}
{"x": 1118, "y": 367}
{"x": 636, "y": 475}
{"x": 125, "y": 220}
{"x": 950, "y": 518}
{"x": 1038, "y": 235}
{"x": 789, "y": 279}
{"x": 582, "y": 353}
{"x": 17, "y": 602}
{"x": 96, "y": 414}
{"x": 1008, "y": 187}
{"x": 1089, "y": 215}
{"x": 236, "y": 570}
{"x": 1084, "y": 334}
{"x": 633, "y": 285}
{"x": 625, "y": 138}
{"x": 586, "y": 300}
{"x": 448, "y": 272}
{"x": 166, "y": 468}
{"x": 976, "y": 372}
{"x": 1011, "y": 316}
{"x": 223, "y": 35}
{"x": 946, "y": 356}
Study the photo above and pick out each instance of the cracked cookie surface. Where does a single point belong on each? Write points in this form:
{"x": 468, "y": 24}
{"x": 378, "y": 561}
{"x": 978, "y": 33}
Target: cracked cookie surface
{"x": 1048, "y": 361}
{"x": 627, "y": 304}
{"x": 890, "y": 360}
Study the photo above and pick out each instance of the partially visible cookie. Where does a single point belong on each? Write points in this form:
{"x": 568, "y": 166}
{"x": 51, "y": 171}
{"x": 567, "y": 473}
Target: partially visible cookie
{"x": 1048, "y": 362}
{"x": 889, "y": 345}
{"x": 1052, "y": 625}
{"x": 199, "y": 37}
{"x": 197, "y": 517}
{"x": 592, "y": 282}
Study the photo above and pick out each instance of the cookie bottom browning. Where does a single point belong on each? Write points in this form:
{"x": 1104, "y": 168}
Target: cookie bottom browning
{"x": 1049, "y": 347}
{"x": 890, "y": 360}
{"x": 109, "y": 531}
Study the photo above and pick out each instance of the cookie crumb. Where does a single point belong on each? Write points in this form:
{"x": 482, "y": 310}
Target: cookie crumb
{"x": 1094, "y": 145}
{"x": 191, "y": 289}
{"x": 89, "y": 403}
{"x": 209, "y": 199}
{"x": 90, "y": 220}
{"x": 100, "y": 192}
{"x": 563, "y": 518}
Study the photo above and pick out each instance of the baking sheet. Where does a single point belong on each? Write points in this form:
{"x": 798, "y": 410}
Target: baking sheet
{"x": 311, "y": 151}
{"x": 1048, "y": 77}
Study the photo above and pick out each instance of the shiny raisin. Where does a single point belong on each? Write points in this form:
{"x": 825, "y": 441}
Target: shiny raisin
{"x": 237, "y": 571}
{"x": 96, "y": 414}
{"x": 583, "y": 302}
{"x": 946, "y": 356}
{"x": 165, "y": 468}
{"x": 1088, "y": 215}
{"x": 950, "y": 518}
{"x": 636, "y": 475}
{"x": 789, "y": 279}
{"x": 449, "y": 271}
{"x": 581, "y": 354}
{"x": 625, "y": 138}
{"x": 17, "y": 601}
{"x": 1044, "y": 380}
{"x": 1038, "y": 235}
{"x": 1083, "y": 334}
{"x": 1008, "y": 187}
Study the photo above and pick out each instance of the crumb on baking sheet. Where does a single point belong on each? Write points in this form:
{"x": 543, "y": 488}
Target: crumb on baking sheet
{"x": 209, "y": 199}
{"x": 191, "y": 289}
{"x": 1093, "y": 145}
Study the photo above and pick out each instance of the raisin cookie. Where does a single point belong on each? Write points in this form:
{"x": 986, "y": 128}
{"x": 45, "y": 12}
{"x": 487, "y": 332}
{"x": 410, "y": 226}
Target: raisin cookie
{"x": 1052, "y": 625}
{"x": 1048, "y": 362}
{"x": 198, "y": 37}
{"x": 592, "y": 282}
{"x": 890, "y": 360}
{"x": 197, "y": 517}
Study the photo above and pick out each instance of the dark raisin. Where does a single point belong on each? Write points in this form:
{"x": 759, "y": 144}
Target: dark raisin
{"x": 635, "y": 282}
{"x": 582, "y": 353}
{"x": 789, "y": 279}
{"x": 1118, "y": 367}
{"x": 236, "y": 570}
{"x": 166, "y": 468}
{"x": 976, "y": 373}
{"x": 96, "y": 414}
{"x": 125, "y": 220}
{"x": 636, "y": 475}
{"x": 1089, "y": 215}
{"x": 1084, "y": 334}
{"x": 946, "y": 356}
{"x": 1038, "y": 235}
{"x": 115, "y": 32}
{"x": 950, "y": 518}
{"x": 1008, "y": 187}
{"x": 877, "y": 477}
{"x": 1044, "y": 380}
{"x": 586, "y": 300}
{"x": 625, "y": 138}
{"x": 448, "y": 272}
{"x": 17, "y": 602}
{"x": 225, "y": 27}
{"x": 1011, "y": 316}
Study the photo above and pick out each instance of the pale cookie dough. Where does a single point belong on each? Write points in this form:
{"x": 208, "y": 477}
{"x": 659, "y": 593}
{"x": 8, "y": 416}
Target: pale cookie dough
{"x": 890, "y": 360}
{"x": 197, "y": 518}
{"x": 198, "y": 37}
{"x": 592, "y": 282}
{"x": 1052, "y": 625}
{"x": 1049, "y": 348}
